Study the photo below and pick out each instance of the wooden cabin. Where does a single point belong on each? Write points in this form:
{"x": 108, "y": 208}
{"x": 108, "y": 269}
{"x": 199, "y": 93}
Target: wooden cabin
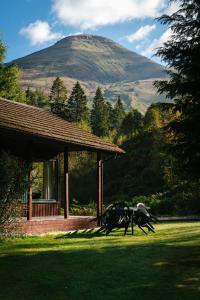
{"x": 34, "y": 134}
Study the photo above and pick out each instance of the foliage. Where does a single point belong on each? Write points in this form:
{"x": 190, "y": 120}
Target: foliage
{"x": 100, "y": 115}
{"x": 36, "y": 98}
{"x": 138, "y": 172}
{"x": 180, "y": 201}
{"x": 2, "y": 53}
{"x": 82, "y": 168}
{"x": 132, "y": 124}
{"x": 37, "y": 177}
{"x": 181, "y": 53}
{"x": 145, "y": 168}
{"x": 9, "y": 84}
{"x": 58, "y": 97}
{"x": 83, "y": 210}
{"x": 118, "y": 114}
{"x": 9, "y": 80}
{"x": 13, "y": 183}
{"x": 152, "y": 118}
{"x": 77, "y": 109}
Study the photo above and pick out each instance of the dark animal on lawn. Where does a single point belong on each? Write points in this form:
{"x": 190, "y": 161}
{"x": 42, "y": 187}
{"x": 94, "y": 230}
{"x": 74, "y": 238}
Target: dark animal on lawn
{"x": 117, "y": 215}
{"x": 143, "y": 218}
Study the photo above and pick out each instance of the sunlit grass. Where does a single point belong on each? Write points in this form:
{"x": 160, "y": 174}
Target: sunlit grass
{"x": 87, "y": 265}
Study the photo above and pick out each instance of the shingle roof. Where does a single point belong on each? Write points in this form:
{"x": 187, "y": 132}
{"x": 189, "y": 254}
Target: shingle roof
{"x": 39, "y": 122}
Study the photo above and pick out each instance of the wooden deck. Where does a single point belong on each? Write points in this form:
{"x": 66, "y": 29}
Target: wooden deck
{"x": 40, "y": 225}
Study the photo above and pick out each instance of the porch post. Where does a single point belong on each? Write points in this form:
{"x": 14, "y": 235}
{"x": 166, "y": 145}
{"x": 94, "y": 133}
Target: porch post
{"x": 99, "y": 187}
{"x": 30, "y": 204}
{"x": 66, "y": 183}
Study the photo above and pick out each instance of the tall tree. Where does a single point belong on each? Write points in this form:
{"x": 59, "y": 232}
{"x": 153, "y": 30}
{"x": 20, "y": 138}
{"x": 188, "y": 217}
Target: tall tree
{"x": 100, "y": 115}
{"x": 181, "y": 53}
{"x": 109, "y": 111}
{"x": 77, "y": 110}
{"x": 118, "y": 114}
{"x": 58, "y": 97}
{"x": 9, "y": 80}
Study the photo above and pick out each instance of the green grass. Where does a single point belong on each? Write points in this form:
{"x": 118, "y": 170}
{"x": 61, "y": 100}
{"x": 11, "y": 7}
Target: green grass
{"x": 87, "y": 266}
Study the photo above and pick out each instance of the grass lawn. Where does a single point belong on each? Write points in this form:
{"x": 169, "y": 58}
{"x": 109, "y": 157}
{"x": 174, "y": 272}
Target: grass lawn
{"x": 165, "y": 265}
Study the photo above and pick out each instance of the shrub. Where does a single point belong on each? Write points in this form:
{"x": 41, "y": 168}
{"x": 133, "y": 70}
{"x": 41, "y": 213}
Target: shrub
{"x": 13, "y": 183}
{"x": 84, "y": 209}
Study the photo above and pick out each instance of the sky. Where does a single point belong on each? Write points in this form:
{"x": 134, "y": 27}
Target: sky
{"x": 27, "y": 26}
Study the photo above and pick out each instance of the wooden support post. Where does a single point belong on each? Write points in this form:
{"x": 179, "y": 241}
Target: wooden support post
{"x": 30, "y": 198}
{"x": 66, "y": 183}
{"x": 99, "y": 188}
{"x": 101, "y": 211}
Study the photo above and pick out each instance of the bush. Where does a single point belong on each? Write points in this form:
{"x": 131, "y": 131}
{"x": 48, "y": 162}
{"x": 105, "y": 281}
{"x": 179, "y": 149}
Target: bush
{"x": 77, "y": 209}
{"x": 171, "y": 203}
{"x": 160, "y": 203}
{"x": 13, "y": 183}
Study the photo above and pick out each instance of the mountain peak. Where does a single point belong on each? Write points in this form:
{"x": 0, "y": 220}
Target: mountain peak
{"x": 84, "y": 37}
{"x": 94, "y": 61}
{"x": 90, "y": 57}
{"x": 86, "y": 40}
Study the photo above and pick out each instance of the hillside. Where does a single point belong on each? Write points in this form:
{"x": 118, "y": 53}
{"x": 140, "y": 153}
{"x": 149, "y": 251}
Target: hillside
{"x": 94, "y": 60}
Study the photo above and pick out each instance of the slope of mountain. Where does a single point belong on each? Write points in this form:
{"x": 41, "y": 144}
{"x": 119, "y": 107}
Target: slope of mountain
{"x": 93, "y": 60}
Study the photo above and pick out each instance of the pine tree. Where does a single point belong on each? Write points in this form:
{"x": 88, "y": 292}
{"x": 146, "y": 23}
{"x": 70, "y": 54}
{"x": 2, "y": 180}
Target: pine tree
{"x": 77, "y": 110}
{"x": 182, "y": 53}
{"x": 9, "y": 80}
{"x": 118, "y": 114}
{"x": 109, "y": 115}
{"x": 100, "y": 115}
{"x": 58, "y": 97}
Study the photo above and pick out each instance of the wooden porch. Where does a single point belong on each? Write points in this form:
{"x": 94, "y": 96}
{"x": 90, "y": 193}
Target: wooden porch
{"x": 36, "y": 135}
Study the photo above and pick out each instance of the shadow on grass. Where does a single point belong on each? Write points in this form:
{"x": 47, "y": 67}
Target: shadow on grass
{"x": 87, "y": 233}
{"x": 91, "y": 233}
{"x": 146, "y": 271}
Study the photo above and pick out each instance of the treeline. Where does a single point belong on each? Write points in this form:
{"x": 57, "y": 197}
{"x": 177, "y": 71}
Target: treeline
{"x": 102, "y": 119}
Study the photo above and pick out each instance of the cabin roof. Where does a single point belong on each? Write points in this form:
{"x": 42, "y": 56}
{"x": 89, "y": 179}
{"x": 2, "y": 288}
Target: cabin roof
{"x": 30, "y": 120}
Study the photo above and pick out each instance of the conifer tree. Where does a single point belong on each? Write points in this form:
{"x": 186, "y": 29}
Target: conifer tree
{"x": 109, "y": 115}
{"x": 77, "y": 110}
{"x": 118, "y": 114}
{"x": 182, "y": 53}
{"x": 58, "y": 97}
{"x": 100, "y": 115}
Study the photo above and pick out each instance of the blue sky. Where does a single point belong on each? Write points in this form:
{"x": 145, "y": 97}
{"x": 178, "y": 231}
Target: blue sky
{"x": 30, "y": 25}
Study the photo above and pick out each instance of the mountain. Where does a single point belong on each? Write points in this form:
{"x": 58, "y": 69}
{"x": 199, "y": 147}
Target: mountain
{"x": 94, "y": 61}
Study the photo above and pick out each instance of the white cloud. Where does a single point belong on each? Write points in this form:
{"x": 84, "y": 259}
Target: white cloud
{"x": 76, "y": 33}
{"x": 39, "y": 32}
{"x": 89, "y": 14}
{"x": 172, "y": 8}
{"x": 141, "y": 33}
{"x": 156, "y": 43}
